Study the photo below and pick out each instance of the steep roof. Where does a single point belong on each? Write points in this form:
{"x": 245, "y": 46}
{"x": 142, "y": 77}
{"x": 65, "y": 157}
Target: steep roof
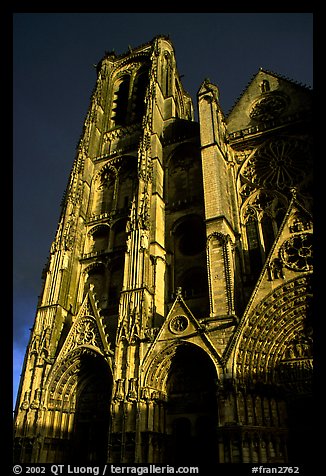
{"x": 290, "y": 95}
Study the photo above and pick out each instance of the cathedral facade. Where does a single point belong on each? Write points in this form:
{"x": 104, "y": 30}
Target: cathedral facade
{"x": 175, "y": 320}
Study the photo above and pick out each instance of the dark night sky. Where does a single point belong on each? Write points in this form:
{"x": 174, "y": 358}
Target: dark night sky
{"x": 54, "y": 76}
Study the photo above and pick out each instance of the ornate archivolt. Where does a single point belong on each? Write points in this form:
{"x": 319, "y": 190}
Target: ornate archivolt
{"x": 69, "y": 377}
{"x": 180, "y": 328}
{"x": 274, "y": 345}
{"x": 158, "y": 371}
{"x": 86, "y": 340}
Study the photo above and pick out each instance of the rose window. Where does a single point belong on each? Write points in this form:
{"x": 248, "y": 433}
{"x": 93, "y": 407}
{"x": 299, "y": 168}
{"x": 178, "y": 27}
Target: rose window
{"x": 296, "y": 252}
{"x": 279, "y": 164}
{"x": 269, "y": 107}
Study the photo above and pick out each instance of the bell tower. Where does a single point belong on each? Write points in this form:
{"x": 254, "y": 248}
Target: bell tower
{"x": 106, "y": 280}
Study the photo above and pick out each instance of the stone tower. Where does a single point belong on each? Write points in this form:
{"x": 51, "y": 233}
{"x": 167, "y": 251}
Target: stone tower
{"x": 175, "y": 325}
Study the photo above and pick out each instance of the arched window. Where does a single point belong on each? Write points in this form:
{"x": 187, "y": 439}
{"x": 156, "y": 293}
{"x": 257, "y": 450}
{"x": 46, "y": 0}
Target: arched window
{"x": 255, "y": 257}
{"x": 264, "y": 86}
{"x": 263, "y": 215}
{"x": 128, "y": 102}
{"x": 120, "y": 101}
{"x": 99, "y": 239}
{"x": 138, "y": 94}
{"x": 166, "y": 74}
{"x": 184, "y": 177}
{"x": 103, "y": 192}
{"x": 96, "y": 276}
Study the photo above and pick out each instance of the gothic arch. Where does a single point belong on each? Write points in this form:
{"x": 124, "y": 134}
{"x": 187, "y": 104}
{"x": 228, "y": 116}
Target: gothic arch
{"x": 64, "y": 374}
{"x": 273, "y": 364}
{"x": 77, "y": 406}
{"x": 185, "y": 378}
{"x": 101, "y": 227}
{"x": 183, "y": 177}
{"x": 263, "y": 202}
{"x": 261, "y": 216}
{"x": 157, "y": 368}
{"x": 98, "y": 238}
{"x": 120, "y": 98}
{"x": 166, "y": 74}
{"x": 113, "y": 186}
{"x": 104, "y": 191}
{"x": 110, "y": 167}
{"x": 129, "y": 93}
{"x": 96, "y": 274}
{"x": 281, "y": 322}
{"x": 94, "y": 266}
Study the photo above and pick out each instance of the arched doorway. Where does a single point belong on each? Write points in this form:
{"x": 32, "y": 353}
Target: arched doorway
{"x": 191, "y": 410}
{"x": 89, "y": 439}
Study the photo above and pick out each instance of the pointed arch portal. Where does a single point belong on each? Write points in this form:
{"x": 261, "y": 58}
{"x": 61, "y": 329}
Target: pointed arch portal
{"x": 191, "y": 410}
{"x": 91, "y": 424}
{"x": 84, "y": 382}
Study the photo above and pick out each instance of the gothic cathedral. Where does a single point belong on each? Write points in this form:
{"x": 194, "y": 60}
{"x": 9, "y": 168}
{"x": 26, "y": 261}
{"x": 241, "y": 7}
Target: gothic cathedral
{"x": 175, "y": 321}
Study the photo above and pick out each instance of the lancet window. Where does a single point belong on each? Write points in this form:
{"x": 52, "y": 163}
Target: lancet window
{"x": 184, "y": 177}
{"x": 128, "y": 102}
{"x": 104, "y": 193}
{"x": 263, "y": 213}
{"x": 120, "y": 101}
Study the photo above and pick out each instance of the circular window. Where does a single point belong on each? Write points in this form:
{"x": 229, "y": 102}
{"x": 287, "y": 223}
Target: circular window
{"x": 296, "y": 252}
{"x": 179, "y": 324}
{"x": 279, "y": 164}
{"x": 269, "y": 107}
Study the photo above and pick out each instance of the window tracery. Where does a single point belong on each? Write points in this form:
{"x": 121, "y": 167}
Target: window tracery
{"x": 280, "y": 164}
{"x": 269, "y": 107}
{"x": 184, "y": 176}
{"x": 262, "y": 215}
{"x": 297, "y": 252}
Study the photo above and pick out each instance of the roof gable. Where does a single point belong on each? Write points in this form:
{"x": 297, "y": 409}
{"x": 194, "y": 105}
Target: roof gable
{"x": 87, "y": 330}
{"x": 267, "y": 95}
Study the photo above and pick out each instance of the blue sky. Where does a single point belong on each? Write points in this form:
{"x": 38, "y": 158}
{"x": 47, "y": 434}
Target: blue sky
{"x": 53, "y": 77}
